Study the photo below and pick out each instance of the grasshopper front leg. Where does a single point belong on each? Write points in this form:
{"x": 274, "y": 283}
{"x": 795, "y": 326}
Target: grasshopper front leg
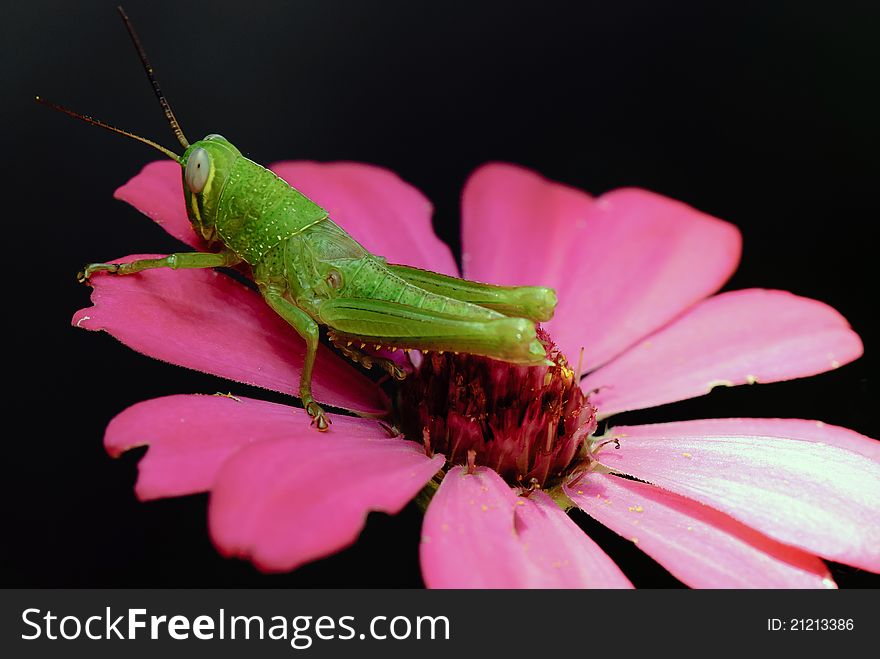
{"x": 308, "y": 330}
{"x": 173, "y": 261}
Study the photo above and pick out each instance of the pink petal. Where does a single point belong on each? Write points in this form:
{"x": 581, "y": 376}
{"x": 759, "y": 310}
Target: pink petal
{"x": 799, "y": 429}
{"x": 805, "y": 488}
{"x": 206, "y": 321}
{"x": 157, "y": 192}
{"x": 697, "y": 544}
{"x": 285, "y": 502}
{"x": 622, "y": 265}
{"x": 478, "y": 534}
{"x": 565, "y": 556}
{"x": 734, "y": 338}
{"x": 191, "y": 436}
{"x": 386, "y": 215}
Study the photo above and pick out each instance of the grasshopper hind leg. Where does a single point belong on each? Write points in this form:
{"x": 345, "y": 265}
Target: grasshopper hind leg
{"x": 533, "y": 302}
{"x": 379, "y": 321}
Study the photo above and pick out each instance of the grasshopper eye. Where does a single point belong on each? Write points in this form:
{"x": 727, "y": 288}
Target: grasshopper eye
{"x": 198, "y": 166}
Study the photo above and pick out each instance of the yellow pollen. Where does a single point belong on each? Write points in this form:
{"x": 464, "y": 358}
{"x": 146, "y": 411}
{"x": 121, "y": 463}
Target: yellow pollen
{"x": 636, "y": 509}
{"x": 718, "y": 383}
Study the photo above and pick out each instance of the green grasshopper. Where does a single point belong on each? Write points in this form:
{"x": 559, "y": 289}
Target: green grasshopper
{"x": 311, "y": 272}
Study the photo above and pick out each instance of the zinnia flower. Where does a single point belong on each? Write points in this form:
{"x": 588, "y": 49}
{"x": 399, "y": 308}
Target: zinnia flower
{"x": 498, "y": 452}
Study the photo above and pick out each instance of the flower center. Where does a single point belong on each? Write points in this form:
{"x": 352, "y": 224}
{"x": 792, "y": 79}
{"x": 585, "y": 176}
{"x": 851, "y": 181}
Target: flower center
{"x": 528, "y": 423}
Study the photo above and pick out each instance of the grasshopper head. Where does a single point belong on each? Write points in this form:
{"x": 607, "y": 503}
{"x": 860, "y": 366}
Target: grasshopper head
{"x": 206, "y": 164}
{"x": 206, "y": 167}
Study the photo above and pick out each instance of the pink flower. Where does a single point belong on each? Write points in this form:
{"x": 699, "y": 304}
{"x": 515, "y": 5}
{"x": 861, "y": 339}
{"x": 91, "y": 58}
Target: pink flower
{"x": 718, "y": 502}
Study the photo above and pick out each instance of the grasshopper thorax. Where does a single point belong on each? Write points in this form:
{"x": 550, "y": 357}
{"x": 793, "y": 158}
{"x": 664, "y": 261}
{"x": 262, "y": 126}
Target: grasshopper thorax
{"x": 206, "y": 166}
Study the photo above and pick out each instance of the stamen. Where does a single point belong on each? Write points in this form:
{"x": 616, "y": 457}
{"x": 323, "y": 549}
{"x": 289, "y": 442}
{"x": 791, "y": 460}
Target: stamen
{"x": 471, "y": 461}
{"x": 609, "y": 441}
{"x": 426, "y": 440}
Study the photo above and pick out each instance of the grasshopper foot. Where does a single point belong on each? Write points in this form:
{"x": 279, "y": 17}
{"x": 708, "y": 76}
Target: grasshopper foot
{"x": 393, "y": 369}
{"x": 85, "y": 274}
{"x": 319, "y": 418}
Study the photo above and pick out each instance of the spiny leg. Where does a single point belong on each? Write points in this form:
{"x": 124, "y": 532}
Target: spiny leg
{"x": 533, "y": 302}
{"x": 173, "y": 261}
{"x": 346, "y": 347}
{"x": 308, "y": 330}
{"x": 378, "y": 321}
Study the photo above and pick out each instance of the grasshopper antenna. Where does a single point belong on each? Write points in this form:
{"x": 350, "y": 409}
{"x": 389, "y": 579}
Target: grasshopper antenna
{"x": 169, "y": 115}
{"x": 114, "y": 129}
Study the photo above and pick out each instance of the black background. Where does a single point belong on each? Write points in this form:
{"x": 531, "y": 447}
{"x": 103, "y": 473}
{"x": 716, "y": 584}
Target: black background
{"x": 764, "y": 114}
